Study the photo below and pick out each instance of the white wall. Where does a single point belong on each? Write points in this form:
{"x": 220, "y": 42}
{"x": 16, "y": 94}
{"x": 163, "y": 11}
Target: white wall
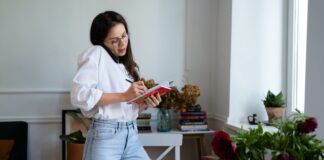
{"x": 314, "y": 64}
{"x": 198, "y": 47}
{"x": 44, "y": 38}
{"x": 220, "y": 59}
{"x": 207, "y": 58}
{"x": 259, "y": 30}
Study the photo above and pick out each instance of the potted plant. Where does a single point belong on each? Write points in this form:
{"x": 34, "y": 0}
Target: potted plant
{"x": 274, "y": 105}
{"x": 293, "y": 140}
{"x": 75, "y": 140}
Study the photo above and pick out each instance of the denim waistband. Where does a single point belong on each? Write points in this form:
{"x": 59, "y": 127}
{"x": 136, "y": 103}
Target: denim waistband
{"x": 113, "y": 123}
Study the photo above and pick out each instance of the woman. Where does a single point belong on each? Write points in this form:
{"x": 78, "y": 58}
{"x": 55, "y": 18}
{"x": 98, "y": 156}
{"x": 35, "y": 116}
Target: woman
{"x": 101, "y": 89}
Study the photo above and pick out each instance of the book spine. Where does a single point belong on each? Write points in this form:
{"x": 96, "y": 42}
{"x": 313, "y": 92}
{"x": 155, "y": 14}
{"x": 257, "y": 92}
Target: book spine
{"x": 202, "y": 113}
{"x": 193, "y": 117}
{"x": 190, "y": 130}
{"x": 193, "y": 120}
{"x": 193, "y": 126}
{"x": 193, "y": 123}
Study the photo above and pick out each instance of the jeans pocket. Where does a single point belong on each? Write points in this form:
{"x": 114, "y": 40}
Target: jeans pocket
{"x": 105, "y": 133}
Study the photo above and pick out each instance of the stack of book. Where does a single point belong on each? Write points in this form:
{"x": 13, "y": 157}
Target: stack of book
{"x": 143, "y": 123}
{"x": 193, "y": 121}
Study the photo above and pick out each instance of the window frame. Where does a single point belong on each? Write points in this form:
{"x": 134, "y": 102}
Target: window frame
{"x": 293, "y": 55}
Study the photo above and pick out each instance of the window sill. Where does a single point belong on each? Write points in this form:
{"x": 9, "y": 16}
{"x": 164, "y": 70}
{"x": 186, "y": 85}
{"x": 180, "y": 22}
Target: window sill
{"x": 236, "y": 126}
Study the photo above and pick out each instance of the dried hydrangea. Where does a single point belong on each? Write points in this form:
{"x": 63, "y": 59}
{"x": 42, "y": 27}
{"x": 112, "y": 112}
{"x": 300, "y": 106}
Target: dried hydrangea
{"x": 175, "y": 99}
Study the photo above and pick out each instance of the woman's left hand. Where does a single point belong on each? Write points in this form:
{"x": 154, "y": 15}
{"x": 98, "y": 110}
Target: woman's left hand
{"x": 153, "y": 100}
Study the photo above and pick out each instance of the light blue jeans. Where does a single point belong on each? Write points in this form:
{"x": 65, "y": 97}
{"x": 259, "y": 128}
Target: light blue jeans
{"x": 111, "y": 140}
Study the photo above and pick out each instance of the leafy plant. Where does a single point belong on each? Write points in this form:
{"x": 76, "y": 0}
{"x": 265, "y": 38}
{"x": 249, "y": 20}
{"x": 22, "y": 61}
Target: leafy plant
{"x": 251, "y": 145}
{"x": 293, "y": 138}
{"x": 77, "y": 136}
{"x": 292, "y": 141}
{"x": 272, "y": 100}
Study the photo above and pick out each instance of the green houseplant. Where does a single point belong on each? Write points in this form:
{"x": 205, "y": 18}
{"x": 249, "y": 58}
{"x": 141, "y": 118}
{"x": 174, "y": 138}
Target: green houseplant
{"x": 274, "y": 105}
{"x": 293, "y": 140}
{"x": 76, "y": 136}
{"x": 75, "y": 140}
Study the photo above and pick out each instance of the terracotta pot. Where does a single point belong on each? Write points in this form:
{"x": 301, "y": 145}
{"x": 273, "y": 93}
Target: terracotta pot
{"x": 74, "y": 151}
{"x": 275, "y": 113}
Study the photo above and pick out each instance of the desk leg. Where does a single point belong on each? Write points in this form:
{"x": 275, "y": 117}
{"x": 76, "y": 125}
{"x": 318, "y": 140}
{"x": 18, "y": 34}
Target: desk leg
{"x": 202, "y": 146}
{"x": 177, "y": 153}
{"x": 201, "y": 143}
{"x": 199, "y": 147}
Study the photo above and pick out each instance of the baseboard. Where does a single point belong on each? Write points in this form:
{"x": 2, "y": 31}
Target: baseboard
{"x": 218, "y": 117}
{"x": 33, "y": 119}
{"x": 34, "y": 91}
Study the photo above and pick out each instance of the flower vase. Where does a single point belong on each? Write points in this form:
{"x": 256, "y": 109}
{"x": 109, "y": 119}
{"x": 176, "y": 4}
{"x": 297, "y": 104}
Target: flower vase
{"x": 163, "y": 120}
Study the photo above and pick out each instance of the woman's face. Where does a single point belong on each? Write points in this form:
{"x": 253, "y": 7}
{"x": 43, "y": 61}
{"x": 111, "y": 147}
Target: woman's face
{"x": 117, "y": 40}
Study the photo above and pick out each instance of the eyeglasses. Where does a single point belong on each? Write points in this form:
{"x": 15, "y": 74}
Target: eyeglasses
{"x": 116, "y": 41}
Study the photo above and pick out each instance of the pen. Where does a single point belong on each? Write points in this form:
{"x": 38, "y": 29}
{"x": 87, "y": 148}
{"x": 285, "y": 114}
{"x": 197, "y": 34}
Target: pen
{"x": 133, "y": 82}
{"x": 129, "y": 81}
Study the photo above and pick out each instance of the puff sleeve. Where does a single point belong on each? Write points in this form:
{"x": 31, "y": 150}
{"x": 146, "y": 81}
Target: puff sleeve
{"x": 85, "y": 93}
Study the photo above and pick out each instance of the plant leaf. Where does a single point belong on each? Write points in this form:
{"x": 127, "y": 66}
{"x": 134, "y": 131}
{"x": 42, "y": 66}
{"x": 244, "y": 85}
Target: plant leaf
{"x": 79, "y": 118}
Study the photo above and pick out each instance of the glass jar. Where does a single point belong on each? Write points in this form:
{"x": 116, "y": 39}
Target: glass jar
{"x": 163, "y": 120}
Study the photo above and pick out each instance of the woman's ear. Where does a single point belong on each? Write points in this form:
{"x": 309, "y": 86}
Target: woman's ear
{"x": 106, "y": 43}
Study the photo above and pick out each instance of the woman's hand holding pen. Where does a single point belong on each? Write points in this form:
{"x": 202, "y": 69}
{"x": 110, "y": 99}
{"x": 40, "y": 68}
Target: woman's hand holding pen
{"x": 136, "y": 89}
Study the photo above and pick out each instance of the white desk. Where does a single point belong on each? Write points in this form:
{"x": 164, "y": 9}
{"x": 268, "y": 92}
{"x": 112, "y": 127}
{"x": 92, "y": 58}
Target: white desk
{"x": 174, "y": 139}
{"x": 171, "y": 139}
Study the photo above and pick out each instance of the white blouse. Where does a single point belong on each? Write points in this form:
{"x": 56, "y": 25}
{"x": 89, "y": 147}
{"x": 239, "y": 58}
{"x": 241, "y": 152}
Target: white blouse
{"x": 98, "y": 73}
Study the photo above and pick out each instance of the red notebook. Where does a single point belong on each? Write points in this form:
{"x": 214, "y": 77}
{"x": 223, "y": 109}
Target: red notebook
{"x": 161, "y": 88}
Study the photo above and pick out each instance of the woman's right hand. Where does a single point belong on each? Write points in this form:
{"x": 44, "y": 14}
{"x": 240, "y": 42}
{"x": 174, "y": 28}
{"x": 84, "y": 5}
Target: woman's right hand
{"x": 136, "y": 89}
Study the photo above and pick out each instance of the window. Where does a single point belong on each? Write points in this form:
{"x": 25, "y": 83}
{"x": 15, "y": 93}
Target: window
{"x": 297, "y": 54}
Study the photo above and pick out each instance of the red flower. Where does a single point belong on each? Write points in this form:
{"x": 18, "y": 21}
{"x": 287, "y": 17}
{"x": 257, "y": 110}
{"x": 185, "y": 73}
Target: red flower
{"x": 284, "y": 156}
{"x": 223, "y": 147}
{"x": 308, "y": 126}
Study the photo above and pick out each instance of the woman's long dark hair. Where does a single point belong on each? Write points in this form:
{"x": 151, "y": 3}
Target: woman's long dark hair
{"x": 100, "y": 27}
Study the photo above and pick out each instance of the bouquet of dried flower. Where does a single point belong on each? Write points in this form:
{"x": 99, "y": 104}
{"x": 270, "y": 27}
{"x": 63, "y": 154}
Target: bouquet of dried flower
{"x": 179, "y": 100}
